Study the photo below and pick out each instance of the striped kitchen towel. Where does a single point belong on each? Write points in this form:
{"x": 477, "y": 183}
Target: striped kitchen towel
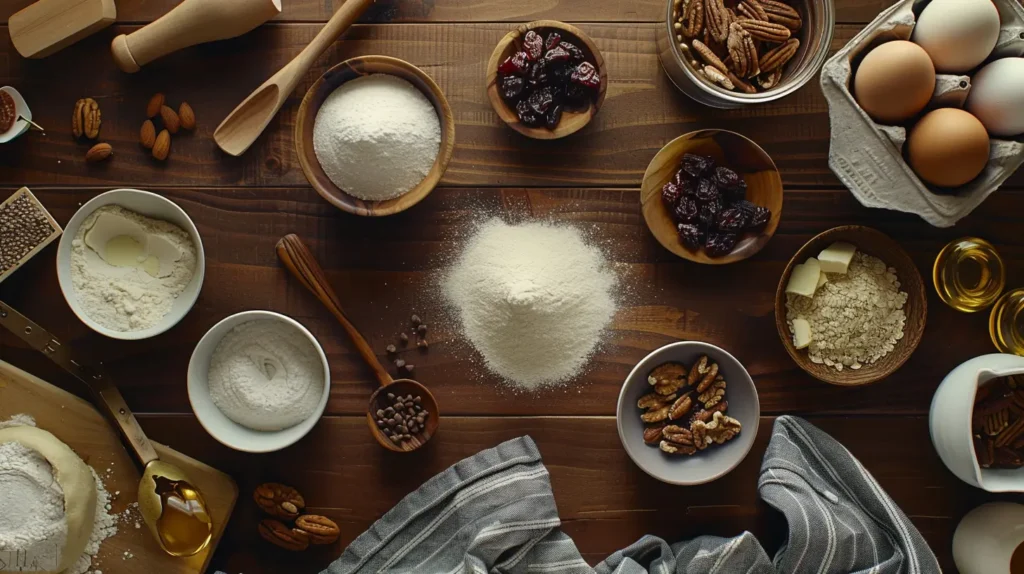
{"x": 494, "y": 513}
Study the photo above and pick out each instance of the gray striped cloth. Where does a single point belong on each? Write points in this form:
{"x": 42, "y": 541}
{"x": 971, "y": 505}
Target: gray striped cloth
{"x": 495, "y": 513}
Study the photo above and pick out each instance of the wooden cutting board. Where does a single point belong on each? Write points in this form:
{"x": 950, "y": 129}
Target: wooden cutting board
{"x": 83, "y": 428}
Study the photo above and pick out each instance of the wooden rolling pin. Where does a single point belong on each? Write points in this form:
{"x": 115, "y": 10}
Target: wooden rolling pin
{"x": 189, "y": 23}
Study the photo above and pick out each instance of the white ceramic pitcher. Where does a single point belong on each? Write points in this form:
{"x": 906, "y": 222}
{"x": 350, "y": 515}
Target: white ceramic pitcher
{"x": 987, "y": 539}
{"x": 950, "y": 421}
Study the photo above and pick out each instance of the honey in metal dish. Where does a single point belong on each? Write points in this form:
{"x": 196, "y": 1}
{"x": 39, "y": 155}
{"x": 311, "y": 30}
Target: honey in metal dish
{"x": 184, "y": 525}
{"x": 1006, "y": 324}
{"x": 969, "y": 274}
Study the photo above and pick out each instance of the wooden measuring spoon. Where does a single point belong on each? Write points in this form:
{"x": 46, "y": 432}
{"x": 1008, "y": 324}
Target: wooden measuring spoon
{"x": 292, "y": 251}
{"x": 246, "y": 122}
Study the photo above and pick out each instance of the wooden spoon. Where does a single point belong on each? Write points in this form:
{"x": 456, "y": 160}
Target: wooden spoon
{"x": 246, "y": 122}
{"x": 292, "y": 251}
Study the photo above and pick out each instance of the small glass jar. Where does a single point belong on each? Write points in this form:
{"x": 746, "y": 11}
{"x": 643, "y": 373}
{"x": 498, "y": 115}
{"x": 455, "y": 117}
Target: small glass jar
{"x": 969, "y": 274}
{"x": 1006, "y": 324}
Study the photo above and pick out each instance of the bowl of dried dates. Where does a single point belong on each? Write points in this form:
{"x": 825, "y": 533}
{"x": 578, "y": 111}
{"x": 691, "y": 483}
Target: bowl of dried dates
{"x": 712, "y": 196}
{"x": 688, "y": 413}
{"x": 546, "y": 79}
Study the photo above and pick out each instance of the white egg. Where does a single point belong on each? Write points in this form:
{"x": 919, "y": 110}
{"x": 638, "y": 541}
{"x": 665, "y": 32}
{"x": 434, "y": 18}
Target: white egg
{"x": 957, "y": 34}
{"x": 997, "y": 97}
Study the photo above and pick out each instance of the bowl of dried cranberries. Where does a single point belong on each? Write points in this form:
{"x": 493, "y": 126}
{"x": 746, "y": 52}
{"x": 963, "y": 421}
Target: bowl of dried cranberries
{"x": 546, "y": 79}
{"x": 712, "y": 196}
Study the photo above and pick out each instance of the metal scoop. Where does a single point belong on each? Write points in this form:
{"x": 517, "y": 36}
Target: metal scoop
{"x": 172, "y": 508}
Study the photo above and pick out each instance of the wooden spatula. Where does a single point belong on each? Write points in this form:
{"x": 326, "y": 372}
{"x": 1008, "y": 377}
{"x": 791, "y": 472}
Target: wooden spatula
{"x": 246, "y": 122}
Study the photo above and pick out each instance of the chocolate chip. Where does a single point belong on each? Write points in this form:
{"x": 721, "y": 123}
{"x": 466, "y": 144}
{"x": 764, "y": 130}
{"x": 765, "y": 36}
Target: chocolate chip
{"x": 391, "y": 396}
{"x": 418, "y": 400}
{"x": 416, "y": 320}
{"x": 399, "y": 363}
{"x": 391, "y": 349}
{"x": 422, "y": 344}
{"x": 409, "y": 368}
{"x": 404, "y": 338}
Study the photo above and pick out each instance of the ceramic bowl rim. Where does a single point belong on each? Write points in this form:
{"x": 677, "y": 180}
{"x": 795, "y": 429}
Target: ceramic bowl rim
{"x": 206, "y": 344}
{"x": 712, "y": 349}
{"x": 64, "y": 256}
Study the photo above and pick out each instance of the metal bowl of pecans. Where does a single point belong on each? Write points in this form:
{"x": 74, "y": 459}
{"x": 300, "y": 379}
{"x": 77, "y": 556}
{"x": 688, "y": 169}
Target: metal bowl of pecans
{"x": 688, "y": 413}
{"x": 733, "y": 53}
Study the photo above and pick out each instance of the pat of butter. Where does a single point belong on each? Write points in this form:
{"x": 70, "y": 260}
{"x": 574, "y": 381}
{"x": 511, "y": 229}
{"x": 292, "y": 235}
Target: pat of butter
{"x": 836, "y": 257}
{"x": 801, "y": 333}
{"x": 804, "y": 278}
{"x": 822, "y": 279}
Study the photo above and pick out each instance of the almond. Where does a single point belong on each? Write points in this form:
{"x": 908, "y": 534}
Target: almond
{"x": 147, "y": 135}
{"x": 187, "y": 116}
{"x": 99, "y": 152}
{"x": 171, "y": 120}
{"x": 154, "y": 105}
{"x": 162, "y": 145}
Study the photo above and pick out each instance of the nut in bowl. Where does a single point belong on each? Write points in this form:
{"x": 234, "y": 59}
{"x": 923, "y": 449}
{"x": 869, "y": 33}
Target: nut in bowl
{"x": 863, "y": 276}
{"x": 688, "y": 413}
{"x": 546, "y": 79}
{"x": 350, "y": 118}
{"x": 712, "y": 196}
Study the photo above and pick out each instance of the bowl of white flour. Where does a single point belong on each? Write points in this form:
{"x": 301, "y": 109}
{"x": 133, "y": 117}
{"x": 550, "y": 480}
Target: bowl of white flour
{"x": 130, "y": 264}
{"x": 258, "y": 381}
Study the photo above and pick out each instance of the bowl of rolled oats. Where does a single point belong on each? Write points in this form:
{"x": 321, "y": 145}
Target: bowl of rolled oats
{"x": 688, "y": 413}
{"x": 733, "y": 53}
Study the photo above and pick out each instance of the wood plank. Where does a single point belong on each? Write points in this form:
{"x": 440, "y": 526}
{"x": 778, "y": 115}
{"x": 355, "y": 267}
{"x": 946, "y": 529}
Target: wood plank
{"x": 436, "y": 11}
{"x": 348, "y": 477}
{"x": 642, "y": 112}
{"x": 386, "y": 269}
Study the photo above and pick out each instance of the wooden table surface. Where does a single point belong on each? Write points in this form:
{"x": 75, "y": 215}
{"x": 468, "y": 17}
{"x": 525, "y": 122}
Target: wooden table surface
{"x": 385, "y": 269}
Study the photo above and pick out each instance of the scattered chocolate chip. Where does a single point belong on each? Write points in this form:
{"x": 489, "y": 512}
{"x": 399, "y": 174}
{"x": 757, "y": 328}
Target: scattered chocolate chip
{"x": 416, "y": 320}
{"x": 391, "y": 349}
{"x": 399, "y": 363}
{"x": 422, "y": 343}
{"x": 422, "y": 329}
{"x": 409, "y": 368}
{"x": 404, "y": 338}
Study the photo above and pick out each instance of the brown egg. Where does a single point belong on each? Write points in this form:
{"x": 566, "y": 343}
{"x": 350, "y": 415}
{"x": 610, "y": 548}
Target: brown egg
{"x": 948, "y": 147}
{"x": 894, "y": 81}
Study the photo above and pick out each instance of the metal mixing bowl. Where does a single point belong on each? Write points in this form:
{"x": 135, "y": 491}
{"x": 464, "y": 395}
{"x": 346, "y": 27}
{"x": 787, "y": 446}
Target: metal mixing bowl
{"x": 815, "y": 41}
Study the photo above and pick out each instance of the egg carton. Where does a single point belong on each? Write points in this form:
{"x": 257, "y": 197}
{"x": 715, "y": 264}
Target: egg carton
{"x": 868, "y": 157}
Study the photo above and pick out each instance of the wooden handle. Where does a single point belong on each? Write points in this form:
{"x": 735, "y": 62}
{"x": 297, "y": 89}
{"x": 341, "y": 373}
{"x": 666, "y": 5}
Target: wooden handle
{"x": 292, "y": 251}
{"x": 189, "y": 23}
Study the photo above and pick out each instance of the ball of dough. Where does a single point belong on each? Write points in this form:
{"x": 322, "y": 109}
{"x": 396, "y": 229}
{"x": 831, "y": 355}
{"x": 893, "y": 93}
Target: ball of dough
{"x": 74, "y": 478}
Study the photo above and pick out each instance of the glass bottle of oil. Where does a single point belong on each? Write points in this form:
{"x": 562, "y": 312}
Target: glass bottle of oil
{"x": 1006, "y": 324}
{"x": 969, "y": 274}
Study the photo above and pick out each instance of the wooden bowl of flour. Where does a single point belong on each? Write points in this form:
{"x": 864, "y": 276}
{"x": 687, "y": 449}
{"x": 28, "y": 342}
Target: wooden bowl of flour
{"x": 330, "y": 81}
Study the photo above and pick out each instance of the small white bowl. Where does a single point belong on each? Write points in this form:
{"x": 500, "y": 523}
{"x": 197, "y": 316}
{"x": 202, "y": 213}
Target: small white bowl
{"x": 148, "y": 204}
{"x": 226, "y": 431}
{"x": 20, "y": 124}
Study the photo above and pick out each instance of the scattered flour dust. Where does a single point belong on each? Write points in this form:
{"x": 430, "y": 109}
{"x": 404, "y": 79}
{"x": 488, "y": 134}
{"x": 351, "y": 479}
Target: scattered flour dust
{"x": 533, "y": 299}
{"x": 32, "y": 504}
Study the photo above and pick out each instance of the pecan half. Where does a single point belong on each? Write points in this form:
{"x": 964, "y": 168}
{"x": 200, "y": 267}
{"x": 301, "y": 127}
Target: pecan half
{"x": 717, "y": 77}
{"x": 668, "y": 378}
{"x": 656, "y": 415}
{"x": 766, "y": 31}
{"x": 717, "y": 19}
{"x": 743, "y": 85}
{"x": 279, "y": 534}
{"x": 678, "y": 435}
{"x": 714, "y": 394}
{"x": 698, "y": 370}
{"x": 777, "y": 57}
{"x": 782, "y": 13}
{"x": 705, "y": 415}
{"x": 709, "y": 56}
{"x": 321, "y": 530}
{"x": 679, "y": 408}
{"x": 768, "y": 80}
{"x": 693, "y": 19}
{"x": 709, "y": 378}
{"x": 743, "y": 51}
{"x": 86, "y": 119}
{"x": 279, "y": 500}
{"x": 652, "y": 435}
{"x": 752, "y": 9}
{"x": 672, "y": 448}
{"x": 653, "y": 400}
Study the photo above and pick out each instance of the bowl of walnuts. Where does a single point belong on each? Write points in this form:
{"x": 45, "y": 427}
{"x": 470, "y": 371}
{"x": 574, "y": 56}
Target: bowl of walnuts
{"x": 688, "y": 413}
{"x": 732, "y": 53}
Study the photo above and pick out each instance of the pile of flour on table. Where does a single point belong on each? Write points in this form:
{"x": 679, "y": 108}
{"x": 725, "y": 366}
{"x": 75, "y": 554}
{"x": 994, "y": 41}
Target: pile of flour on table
{"x": 534, "y": 299}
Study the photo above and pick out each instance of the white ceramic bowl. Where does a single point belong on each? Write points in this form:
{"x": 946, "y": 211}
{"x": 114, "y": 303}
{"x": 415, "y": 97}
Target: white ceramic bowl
{"x": 707, "y": 465}
{"x": 987, "y": 538}
{"x": 949, "y": 421}
{"x": 226, "y": 431}
{"x": 148, "y": 204}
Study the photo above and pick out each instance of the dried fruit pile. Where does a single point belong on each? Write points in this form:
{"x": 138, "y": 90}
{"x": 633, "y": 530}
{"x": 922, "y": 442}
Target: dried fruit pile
{"x": 998, "y": 423}
{"x": 708, "y": 204}
{"x": 8, "y": 112}
{"x": 285, "y": 504}
{"x": 741, "y": 45}
{"x": 547, "y": 76}
{"x": 676, "y": 427}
